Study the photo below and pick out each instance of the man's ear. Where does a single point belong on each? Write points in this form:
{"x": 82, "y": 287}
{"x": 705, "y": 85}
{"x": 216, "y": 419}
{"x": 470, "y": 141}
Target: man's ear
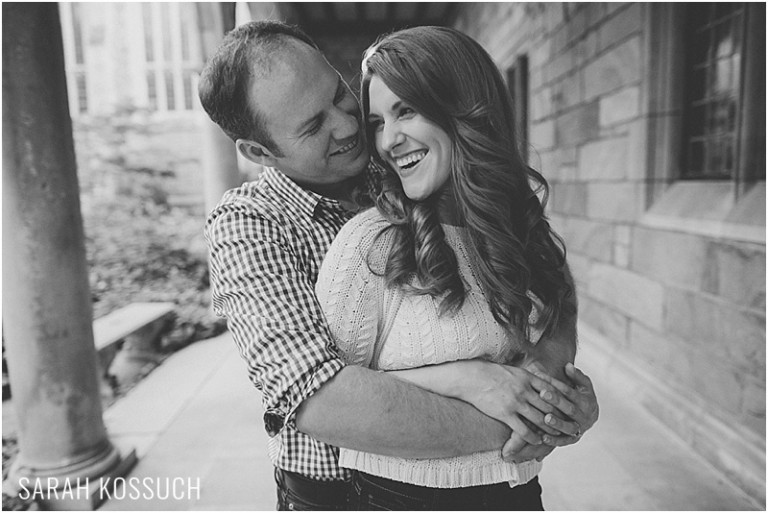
{"x": 256, "y": 152}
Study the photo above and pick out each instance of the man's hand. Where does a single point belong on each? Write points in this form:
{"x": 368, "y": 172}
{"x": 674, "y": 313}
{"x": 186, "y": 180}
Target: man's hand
{"x": 578, "y": 403}
{"x": 517, "y": 450}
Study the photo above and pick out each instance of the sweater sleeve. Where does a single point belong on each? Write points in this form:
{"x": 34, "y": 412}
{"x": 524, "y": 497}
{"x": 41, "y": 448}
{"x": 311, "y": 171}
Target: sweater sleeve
{"x": 349, "y": 293}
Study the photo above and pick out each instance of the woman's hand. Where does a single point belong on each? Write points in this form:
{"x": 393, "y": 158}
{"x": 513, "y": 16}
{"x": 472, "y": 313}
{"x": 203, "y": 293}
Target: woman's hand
{"x": 513, "y": 395}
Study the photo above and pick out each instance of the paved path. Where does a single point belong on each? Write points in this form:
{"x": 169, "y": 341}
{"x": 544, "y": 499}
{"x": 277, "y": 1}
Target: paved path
{"x": 198, "y": 417}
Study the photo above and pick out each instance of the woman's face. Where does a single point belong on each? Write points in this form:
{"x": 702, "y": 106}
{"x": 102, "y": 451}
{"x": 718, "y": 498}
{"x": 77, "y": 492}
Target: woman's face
{"x": 417, "y": 149}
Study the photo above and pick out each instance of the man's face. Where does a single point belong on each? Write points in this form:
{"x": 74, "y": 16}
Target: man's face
{"x": 313, "y": 118}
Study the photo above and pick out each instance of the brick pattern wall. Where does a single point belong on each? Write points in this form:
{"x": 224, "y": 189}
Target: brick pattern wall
{"x": 689, "y": 308}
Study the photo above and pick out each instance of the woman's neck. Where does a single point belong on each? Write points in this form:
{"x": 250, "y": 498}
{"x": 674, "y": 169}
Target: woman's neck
{"x": 447, "y": 206}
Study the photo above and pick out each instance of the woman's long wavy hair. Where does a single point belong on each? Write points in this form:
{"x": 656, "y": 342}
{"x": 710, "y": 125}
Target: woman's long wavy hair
{"x": 452, "y": 81}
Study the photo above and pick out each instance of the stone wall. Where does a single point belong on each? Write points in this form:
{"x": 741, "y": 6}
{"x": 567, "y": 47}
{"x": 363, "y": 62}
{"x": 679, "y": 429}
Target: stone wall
{"x": 687, "y": 306}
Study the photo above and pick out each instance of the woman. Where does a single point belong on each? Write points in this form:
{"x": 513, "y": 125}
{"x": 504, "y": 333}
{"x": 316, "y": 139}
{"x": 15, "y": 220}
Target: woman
{"x": 456, "y": 264}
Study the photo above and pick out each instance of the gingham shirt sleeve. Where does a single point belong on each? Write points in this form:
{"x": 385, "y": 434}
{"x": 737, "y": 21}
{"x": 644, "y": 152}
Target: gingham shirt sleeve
{"x": 258, "y": 283}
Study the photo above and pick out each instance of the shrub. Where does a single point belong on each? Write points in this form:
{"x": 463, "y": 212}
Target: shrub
{"x": 139, "y": 246}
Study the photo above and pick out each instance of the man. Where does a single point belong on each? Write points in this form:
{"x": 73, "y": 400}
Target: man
{"x": 269, "y": 88}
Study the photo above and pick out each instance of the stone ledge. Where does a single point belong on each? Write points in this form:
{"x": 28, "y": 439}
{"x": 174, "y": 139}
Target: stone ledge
{"x": 737, "y": 453}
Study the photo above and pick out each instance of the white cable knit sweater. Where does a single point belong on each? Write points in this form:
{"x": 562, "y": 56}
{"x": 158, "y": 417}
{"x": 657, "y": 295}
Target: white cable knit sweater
{"x": 358, "y": 305}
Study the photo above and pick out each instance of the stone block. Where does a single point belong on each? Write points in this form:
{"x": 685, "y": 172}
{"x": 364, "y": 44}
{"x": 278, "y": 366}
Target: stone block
{"x": 594, "y": 12}
{"x": 753, "y": 405}
{"x": 612, "y": 7}
{"x": 619, "y": 107}
{"x": 540, "y": 54}
{"x": 636, "y": 296}
{"x": 604, "y": 159}
{"x": 554, "y": 16}
{"x": 736, "y": 272}
{"x": 621, "y": 256}
{"x": 655, "y": 347}
{"x": 560, "y": 65}
{"x": 613, "y": 69}
{"x": 619, "y": 27}
{"x": 588, "y": 238}
{"x": 622, "y": 246}
{"x": 577, "y": 126}
{"x": 619, "y": 201}
{"x": 673, "y": 258}
{"x": 577, "y": 25}
{"x": 718, "y": 329}
{"x": 586, "y": 49}
{"x": 542, "y": 134}
{"x": 622, "y": 234}
{"x": 611, "y": 323}
{"x": 541, "y": 104}
{"x": 570, "y": 199}
{"x": 535, "y": 78}
{"x": 546, "y": 162}
{"x": 579, "y": 266}
{"x": 718, "y": 382}
{"x": 637, "y": 155}
{"x": 566, "y": 92}
{"x": 561, "y": 174}
{"x": 568, "y": 154}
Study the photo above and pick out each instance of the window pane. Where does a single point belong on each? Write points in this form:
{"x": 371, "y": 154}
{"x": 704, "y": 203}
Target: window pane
{"x": 82, "y": 94}
{"x": 149, "y": 50}
{"x": 169, "y": 88}
{"x": 167, "y": 43}
{"x": 713, "y": 92}
{"x": 77, "y": 28}
{"x": 188, "y": 90}
{"x": 152, "y": 90}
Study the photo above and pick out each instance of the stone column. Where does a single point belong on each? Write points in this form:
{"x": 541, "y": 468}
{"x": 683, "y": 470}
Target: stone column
{"x": 47, "y": 311}
{"x": 219, "y": 156}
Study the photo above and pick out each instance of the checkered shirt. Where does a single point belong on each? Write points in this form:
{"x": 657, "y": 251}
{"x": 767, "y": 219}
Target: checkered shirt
{"x": 267, "y": 240}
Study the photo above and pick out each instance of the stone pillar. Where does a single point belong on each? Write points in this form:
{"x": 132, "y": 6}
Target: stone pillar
{"x": 219, "y": 157}
{"x": 47, "y": 311}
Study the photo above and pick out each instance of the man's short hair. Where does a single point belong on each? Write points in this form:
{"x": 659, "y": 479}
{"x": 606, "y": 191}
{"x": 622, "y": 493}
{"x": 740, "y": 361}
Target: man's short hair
{"x": 245, "y": 53}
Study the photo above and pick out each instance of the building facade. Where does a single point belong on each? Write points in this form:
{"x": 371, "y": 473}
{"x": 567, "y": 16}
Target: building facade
{"x": 648, "y": 120}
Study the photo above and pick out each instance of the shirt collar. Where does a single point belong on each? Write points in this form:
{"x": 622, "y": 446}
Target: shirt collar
{"x": 294, "y": 196}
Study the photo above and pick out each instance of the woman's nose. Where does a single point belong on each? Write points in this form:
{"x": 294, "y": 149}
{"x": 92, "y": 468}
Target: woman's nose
{"x": 391, "y": 137}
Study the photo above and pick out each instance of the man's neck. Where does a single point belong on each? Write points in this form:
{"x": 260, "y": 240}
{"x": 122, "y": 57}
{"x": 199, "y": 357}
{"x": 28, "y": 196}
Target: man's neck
{"x": 344, "y": 192}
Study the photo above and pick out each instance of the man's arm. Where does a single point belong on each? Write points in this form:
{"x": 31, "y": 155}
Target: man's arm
{"x": 371, "y": 411}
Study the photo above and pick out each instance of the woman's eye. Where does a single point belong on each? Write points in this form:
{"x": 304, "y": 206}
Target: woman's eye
{"x": 406, "y": 111}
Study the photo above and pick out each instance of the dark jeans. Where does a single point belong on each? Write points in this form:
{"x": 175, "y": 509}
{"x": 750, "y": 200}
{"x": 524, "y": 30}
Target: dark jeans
{"x": 296, "y": 492}
{"x": 377, "y": 493}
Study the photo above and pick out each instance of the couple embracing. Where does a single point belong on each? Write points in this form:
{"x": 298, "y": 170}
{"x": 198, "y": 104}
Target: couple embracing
{"x": 391, "y": 278}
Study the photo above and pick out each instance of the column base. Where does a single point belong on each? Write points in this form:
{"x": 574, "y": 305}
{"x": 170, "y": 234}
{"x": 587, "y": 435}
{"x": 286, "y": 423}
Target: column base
{"x": 81, "y": 486}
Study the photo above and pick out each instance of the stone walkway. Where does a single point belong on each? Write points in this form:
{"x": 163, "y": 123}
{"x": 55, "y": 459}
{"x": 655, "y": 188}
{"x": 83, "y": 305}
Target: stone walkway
{"x": 197, "y": 419}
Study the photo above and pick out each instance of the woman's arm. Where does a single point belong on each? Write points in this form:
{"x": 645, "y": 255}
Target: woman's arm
{"x": 508, "y": 394}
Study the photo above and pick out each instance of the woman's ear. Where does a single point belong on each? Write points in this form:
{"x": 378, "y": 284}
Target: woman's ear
{"x": 255, "y": 152}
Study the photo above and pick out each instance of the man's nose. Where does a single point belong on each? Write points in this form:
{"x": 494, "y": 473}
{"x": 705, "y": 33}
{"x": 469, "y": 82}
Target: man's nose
{"x": 346, "y": 124}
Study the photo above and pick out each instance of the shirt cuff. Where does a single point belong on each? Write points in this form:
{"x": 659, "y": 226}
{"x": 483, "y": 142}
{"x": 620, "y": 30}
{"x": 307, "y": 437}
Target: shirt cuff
{"x": 276, "y": 419}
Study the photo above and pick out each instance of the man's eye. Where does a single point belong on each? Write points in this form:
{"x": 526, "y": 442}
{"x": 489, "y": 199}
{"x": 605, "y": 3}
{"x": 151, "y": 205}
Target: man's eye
{"x": 314, "y": 129}
{"x": 340, "y": 95}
